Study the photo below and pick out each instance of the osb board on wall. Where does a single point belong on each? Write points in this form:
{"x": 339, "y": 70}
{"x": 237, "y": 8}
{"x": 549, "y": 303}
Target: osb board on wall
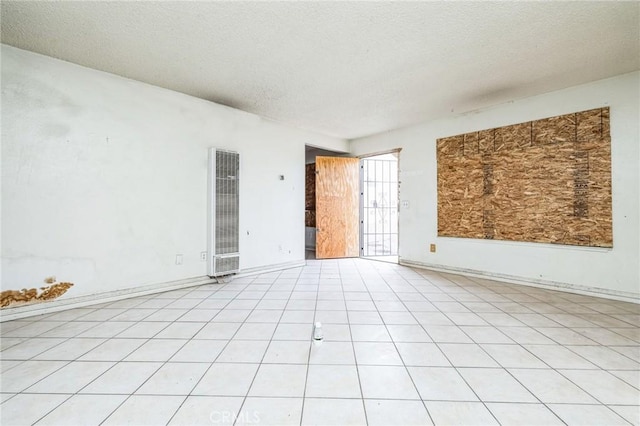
{"x": 546, "y": 181}
{"x": 310, "y": 195}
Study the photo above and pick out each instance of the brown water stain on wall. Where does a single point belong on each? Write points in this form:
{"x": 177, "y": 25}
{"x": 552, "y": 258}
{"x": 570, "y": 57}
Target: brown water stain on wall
{"x": 33, "y": 295}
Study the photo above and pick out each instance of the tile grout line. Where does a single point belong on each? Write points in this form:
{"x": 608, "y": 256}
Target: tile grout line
{"x": 244, "y": 400}
{"x": 353, "y": 347}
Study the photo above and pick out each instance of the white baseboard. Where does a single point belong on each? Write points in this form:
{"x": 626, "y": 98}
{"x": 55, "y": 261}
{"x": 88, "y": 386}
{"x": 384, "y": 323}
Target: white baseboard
{"x": 271, "y": 268}
{"x": 551, "y": 285}
{"x": 33, "y": 309}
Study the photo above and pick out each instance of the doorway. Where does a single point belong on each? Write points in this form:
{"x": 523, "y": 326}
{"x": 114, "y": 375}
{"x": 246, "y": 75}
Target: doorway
{"x": 311, "y": 229}
{"x": 379, "y": 207}
{"x": 351, "y": 205}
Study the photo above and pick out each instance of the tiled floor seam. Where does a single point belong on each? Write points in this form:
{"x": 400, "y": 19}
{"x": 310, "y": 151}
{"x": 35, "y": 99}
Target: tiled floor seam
{"x": 406, "y": 369}
{"x": 244, "y": 398}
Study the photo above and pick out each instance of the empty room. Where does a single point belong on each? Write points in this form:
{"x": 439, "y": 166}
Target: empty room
{"x": 320, "y": 213}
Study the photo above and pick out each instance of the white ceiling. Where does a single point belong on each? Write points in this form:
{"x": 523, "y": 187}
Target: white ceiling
{"x": 346, "y": 69}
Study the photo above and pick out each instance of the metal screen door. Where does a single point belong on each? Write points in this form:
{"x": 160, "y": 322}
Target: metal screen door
{"x": 379, "y": 206}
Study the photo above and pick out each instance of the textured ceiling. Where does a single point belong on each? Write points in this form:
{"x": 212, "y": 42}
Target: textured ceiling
{"x": 346, "y": 69}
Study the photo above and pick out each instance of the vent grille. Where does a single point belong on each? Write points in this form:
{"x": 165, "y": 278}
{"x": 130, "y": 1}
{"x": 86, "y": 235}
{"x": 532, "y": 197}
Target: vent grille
{"x": 227, "y": 264}
{"x": 224, "y": 217}
{"x": 227, "y": 182}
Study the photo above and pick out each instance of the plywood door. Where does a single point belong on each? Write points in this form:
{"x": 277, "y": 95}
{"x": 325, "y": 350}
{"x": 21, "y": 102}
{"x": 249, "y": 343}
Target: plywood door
{"x": 337, "y": 207}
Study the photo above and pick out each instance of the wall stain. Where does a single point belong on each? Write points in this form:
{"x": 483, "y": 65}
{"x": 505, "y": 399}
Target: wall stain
{"x": 32, "y": 295}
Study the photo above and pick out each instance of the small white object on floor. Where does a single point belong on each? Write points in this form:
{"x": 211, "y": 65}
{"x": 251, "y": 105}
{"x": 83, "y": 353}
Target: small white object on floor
{"x": 317, "y": 331}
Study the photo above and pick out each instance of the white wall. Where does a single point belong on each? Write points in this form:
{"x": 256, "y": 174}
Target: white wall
{"x": 104, "y": 179}
{"x": 615, "y": 271}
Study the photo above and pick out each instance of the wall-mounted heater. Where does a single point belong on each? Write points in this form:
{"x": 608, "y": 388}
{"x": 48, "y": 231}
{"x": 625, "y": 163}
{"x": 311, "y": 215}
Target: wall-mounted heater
{"x": 223, "y": 229}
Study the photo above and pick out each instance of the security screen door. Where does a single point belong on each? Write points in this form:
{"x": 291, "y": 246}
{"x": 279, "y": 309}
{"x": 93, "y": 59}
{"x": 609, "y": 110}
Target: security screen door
{"x": 379, "y": 227}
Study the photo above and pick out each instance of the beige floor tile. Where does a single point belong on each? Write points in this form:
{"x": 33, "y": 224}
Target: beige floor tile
{"x": 495, "y": 385}
{"x": 113, "y": 350}
{"x": 28, "y": 373}
{"x": 605, "y": 387}
{"x": 441, "y": 384}
{"x": 226, "y": 379}
{"x": 287, "y": 352}
{"x": 628, "y": 412}
{"x": 408, "y": 333}
{"x": 26, "y": 409}
{"x": 123, "y": 378}
{"x": 549, "y": 386}
{"x": 83, "y": 410}
{"x": 145, "y": 410}
{"x": 277, "y": 380}
{"x": 326, "y": 352}
{"x": 382, "y": 412}
{"x": 605, "y": 358}
{"x": 270, "y": 411}
{"x": 376, "y": 353}
{"x": 587, "y": 415}
{"x": 513, "y": 356}
{"x": 207, "y": 410}
{"x": 523, "y": 414}
{"x": 466, "y": 355}
{"x": 70, "y": 378}
{"x": 174, "y": 378}
{"x": 460, "y": 413}
{"x": 379, "y": 382}
{"x": 369, "y": 333}
{"x": 333, "y": 381}
{"x": 156, "y": 350}
{"x": 328, "y": 411}
{"x": 69, "y": 350}
{"x": 243, "y": 351}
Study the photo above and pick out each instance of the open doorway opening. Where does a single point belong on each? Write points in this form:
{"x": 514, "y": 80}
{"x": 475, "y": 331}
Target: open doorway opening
{"x": 311, "y": 216}
{"x": 379, "y": 207}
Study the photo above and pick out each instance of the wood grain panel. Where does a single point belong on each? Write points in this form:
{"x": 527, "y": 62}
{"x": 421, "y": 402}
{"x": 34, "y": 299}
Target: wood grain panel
{"x": 452, "y": 146}
{"x": 471, "y": 144}
{"x": 555, "y": 129}
{"x": 337, "y": 207}
{"x": 544, "y": 181}
{"x": 310, "y": 195}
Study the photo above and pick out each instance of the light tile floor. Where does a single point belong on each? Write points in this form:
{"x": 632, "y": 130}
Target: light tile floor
{"x": 401, "y": 346}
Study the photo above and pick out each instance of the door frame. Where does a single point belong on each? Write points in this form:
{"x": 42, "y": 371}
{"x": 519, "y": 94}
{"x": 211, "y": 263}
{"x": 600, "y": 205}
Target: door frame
{"x": 395, "y": 151}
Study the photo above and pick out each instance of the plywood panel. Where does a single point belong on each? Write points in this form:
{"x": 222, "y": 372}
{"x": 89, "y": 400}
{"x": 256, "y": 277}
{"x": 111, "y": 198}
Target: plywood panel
{"x": 470, "y": 142}
{"x": 554, "y": 129}
{"x": 543, "y": 181}
{"x": 337, "y": 207}
{"x": 310, "y": 195}
{"x": 452, "y": 146}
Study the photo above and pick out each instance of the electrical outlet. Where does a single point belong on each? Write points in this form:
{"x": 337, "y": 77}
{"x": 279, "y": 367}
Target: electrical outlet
{"x": 432, "y": 248}
{"x": 203, "y": 256}
{"x": 178, "y": 259}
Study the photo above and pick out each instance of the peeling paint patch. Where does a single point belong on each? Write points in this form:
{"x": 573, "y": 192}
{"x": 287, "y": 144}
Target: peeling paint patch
{"x": 32, "y": 295}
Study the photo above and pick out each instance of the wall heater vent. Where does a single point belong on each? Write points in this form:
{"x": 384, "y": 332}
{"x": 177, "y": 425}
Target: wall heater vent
{"x": 224, "y": 215}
